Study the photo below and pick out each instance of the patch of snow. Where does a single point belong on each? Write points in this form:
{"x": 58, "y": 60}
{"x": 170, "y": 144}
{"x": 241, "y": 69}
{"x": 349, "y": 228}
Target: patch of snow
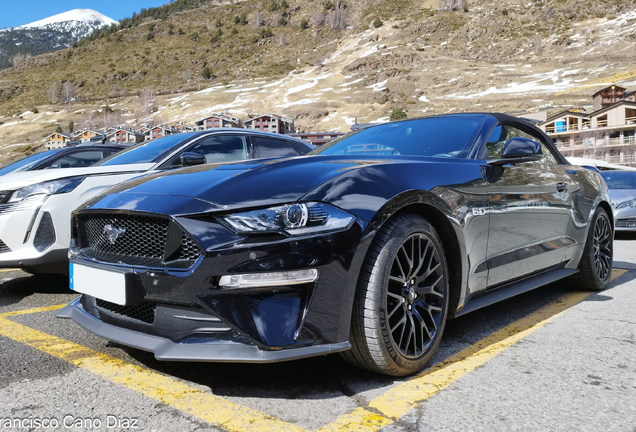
{"x": 378, "y": 86}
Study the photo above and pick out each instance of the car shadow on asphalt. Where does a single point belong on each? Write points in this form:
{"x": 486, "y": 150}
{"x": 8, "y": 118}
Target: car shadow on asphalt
{"x": 330, "y": 376}
{"x": 15, "y": 289}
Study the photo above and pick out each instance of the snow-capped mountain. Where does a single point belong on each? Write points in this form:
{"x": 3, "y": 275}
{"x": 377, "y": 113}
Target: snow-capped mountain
{"x": 50, "y": 34}
{"x": 80, "y": 22}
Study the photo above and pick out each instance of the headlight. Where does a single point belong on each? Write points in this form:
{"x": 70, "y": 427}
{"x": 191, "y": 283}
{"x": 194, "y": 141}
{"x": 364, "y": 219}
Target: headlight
{"x": 292, "y": 219}
{"x": 631, "y": 203}
{"x": 47, "y": 188}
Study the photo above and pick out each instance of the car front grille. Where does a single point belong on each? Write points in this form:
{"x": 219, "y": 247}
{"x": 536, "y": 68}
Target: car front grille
{"x": 626, "y": 222}
{"x": 137, "y": 240}
{"x": 25, "y": 204}
{"x": 3, "y": 247}
{"x": 142, "y": 312}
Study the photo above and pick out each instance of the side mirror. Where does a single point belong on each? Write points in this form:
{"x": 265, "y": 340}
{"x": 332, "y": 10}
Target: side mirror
{"x": 190, "y": 159}
{"x": 518, "y": 150}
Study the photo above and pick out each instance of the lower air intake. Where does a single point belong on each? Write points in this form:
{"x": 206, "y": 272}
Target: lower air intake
{"x": 141, "y": 312}
{"x": 45, "y": 235}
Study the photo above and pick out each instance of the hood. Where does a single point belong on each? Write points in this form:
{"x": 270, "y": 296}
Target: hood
{"x": 254, "y": 183}
{"x": 17, "y": 180}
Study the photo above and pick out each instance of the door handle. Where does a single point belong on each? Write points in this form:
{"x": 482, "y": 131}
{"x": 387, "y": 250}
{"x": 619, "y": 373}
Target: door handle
{"x": 562, "y": 187}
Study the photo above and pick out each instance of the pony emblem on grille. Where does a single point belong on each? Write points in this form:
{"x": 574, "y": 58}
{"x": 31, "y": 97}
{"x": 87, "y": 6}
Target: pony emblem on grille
{"x": 112, "y": 233}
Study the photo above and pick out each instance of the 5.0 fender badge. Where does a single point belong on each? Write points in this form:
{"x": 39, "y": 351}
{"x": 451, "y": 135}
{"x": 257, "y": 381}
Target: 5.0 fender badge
{"x": 112, "y": 233}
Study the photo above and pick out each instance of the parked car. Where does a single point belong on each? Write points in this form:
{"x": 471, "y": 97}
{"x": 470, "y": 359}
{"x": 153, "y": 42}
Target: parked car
{"x": 35, "y": 207}
{"x": 622, "y": 192}
{"x": 365, "y": 246}
{"x": 66, "y": 157}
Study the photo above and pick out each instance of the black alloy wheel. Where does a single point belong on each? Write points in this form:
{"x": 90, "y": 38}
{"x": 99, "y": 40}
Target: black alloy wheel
{"x": 414, "y": 299}
{"x": 595, "y": 267}
{"x": 401, "y": 304}
{"x": 602, "y": 247}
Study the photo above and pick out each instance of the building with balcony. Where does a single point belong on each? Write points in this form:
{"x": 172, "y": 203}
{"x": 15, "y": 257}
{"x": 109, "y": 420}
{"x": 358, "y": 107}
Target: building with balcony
{"x": 271, "y": 122}
{"x": 607, "y": 134}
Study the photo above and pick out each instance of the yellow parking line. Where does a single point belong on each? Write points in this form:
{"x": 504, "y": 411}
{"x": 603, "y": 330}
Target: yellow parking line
{"x": 220, "y": 412}
{"x": 401, "y": 399}
{"x": 30, "y": 311}
{"x": 9, "y": 270}
{"x": 204, "y": 405}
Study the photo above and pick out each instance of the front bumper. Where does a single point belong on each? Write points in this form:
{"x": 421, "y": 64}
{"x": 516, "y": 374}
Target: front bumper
{"x": 625, "y": 219}
{"x": 34, "y": 236}
{"x": 183, "y": 314}
{"x": 216, "y": 350}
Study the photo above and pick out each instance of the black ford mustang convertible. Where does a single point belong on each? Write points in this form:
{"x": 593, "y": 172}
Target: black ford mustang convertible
{"x": 366, "y": 246}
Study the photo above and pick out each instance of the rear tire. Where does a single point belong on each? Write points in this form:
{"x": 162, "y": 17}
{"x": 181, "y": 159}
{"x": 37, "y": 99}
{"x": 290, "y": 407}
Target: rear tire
{"x": 595, "y": 267}
{"x": 401, "y": 302}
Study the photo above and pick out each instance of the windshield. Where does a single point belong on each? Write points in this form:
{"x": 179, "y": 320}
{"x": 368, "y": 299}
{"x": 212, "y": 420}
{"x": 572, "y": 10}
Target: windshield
{"x": 28, "y": 162}
{"x": 620, "y": 179}
{"x": 147, "y": 152}
{"x": 435, "y": 136}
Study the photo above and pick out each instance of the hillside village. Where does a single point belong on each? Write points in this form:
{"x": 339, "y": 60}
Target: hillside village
{"x": 271, "y": 122}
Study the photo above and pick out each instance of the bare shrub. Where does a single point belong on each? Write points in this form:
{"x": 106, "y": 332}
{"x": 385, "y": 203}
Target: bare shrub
{"x": 54, "y": 93}
{"x": 147, "y": 100}
{"x": 280, "y": 39}
{"x": 187, "y": 75}
{"x": 276, "y": 19}
{"x": 257, "y": 21}
{"x": 537, "y": 44}
{"x": 19, "y": 58}
{"x": 451, "y": 5}
{"x": 337, "y": 19}
{"x": 318, "y": 19}
{"x": 69, "y": 91}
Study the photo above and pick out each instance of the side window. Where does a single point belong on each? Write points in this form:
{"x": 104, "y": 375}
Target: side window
{"x": 502, "y": 133}
{"x": 217, "y": 149}
{"x": 272, "y": 147}
{"x": 78, "y": 160}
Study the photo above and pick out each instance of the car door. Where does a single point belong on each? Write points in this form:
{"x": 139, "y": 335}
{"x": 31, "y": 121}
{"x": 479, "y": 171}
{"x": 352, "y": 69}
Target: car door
{"x": 530, "y": 207}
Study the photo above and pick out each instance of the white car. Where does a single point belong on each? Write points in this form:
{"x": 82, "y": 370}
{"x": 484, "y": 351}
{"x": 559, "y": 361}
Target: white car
{"x": 36, "y": 206}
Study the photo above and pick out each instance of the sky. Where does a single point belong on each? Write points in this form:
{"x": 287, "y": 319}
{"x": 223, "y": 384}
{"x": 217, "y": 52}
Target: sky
{"x": 16, "y": 13}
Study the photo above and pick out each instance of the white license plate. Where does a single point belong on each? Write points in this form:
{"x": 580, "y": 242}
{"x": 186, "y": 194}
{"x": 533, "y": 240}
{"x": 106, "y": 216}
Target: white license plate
{"x": 103, "y": 284}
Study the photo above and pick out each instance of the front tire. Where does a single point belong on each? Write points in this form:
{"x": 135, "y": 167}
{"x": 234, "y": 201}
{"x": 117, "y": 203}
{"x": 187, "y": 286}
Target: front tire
{"x": 401, "y": 301}
{"x": 595, "y": 267}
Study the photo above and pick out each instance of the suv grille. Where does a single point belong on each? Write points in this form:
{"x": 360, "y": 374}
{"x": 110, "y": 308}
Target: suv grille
{"x": 137, "y": 240}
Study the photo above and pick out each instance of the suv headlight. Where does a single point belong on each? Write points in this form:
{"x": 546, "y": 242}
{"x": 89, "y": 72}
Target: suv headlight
{"x": 47, "y": 188}
{"x": 631, "y": 203}
{"x": 291, "y": 219}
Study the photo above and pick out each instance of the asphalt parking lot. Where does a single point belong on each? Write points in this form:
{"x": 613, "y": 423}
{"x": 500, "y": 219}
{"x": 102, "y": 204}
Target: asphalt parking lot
{"x": 554, "y": 359}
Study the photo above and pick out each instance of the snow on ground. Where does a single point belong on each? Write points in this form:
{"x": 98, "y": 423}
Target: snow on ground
{"x": 378, "y": 86}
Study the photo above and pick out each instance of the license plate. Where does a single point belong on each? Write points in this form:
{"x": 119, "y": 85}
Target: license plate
{"x": 103, "y": 284}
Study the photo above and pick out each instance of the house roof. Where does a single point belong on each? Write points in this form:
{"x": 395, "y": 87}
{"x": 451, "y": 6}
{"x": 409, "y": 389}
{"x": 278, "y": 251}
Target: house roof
{"x": 59, "y": 133}
{"x": 608, "y": 88}
{"x": 563, "y": 113}
{"x": 274, "y": 115}
{"x": 615, "y": 105}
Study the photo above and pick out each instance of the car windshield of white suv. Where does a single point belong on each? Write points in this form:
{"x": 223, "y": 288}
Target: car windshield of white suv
{"x": 146, "y": 152}
{"x": 28, "y": 162}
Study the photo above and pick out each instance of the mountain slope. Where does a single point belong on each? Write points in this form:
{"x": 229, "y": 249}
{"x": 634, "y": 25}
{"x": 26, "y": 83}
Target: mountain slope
{"x": 326, "y": 65}
{"x": 50, "y": 34}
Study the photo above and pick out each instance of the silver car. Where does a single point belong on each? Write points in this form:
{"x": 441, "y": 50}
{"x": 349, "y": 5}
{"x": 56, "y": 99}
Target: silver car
{"x": 622, "y": 192}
